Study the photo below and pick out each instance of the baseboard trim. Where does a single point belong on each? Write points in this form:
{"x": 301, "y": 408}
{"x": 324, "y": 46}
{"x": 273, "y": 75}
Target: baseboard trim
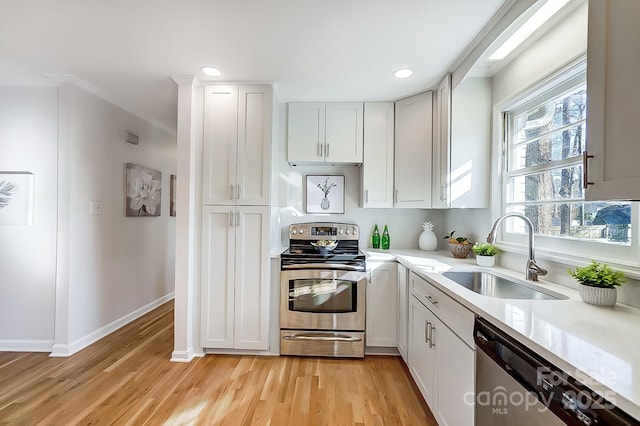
{"x": 9, "y": 345}
{"x": 63, "y": 350}
{"x": 185, "y": 356}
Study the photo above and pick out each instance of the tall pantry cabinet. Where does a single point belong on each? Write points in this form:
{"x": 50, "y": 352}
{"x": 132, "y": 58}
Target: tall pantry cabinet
{"x": 236, "y": 173}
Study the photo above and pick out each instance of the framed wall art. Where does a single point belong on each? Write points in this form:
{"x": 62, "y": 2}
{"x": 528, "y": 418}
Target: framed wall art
{"x": 16, "y": 198}
{"x": 325, "y": 194}
{"x": 143, "y": 191}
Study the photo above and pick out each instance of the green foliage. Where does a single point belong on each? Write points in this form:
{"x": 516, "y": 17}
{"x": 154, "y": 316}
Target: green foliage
{"x": 598, "y": 275}
{"x": 485, "y": 249}
{"x": 458, "y": 240}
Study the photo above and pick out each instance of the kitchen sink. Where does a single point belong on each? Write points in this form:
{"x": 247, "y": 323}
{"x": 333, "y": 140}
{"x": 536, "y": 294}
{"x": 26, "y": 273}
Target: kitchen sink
{"x": 491, "y": 285}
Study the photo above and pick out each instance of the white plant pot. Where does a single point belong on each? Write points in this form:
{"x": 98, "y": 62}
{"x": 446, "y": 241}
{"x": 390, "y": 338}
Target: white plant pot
{"x": 486, "y": 261}
{"x": 598, "y": 296}
{"x": 428, "y": 241}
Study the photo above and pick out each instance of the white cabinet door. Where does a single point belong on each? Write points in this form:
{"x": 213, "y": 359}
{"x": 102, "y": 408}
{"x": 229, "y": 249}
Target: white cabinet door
{"x": 381, "y": 312}
{"x": 469, "y": 181}
{"x": 251, "y": 324}
{"x": 377, "y": 165}
{"x": 254, "y": 145}
{"x": 220, "y": 145}
{"x": 613, "y": 66}
{"x": 441, "y": 144}
{"x": 413, "y": 151}
{"x": 236, "y": 166}
{"x": 306, "y": 132}
{"x": 343, "y": 135}
{"x": 422, "y": 358}
{"x": 455, "y": 360}
{"x": 461, "y": 146}
{"x": 218, "y": 277}
{"x": 403, "y": 311}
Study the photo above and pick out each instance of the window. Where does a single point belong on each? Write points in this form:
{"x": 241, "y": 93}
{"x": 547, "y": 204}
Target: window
{"x": 545, "y": 139}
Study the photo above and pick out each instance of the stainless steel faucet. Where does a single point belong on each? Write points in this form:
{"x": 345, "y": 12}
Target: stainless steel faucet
{"x": 533, "y": 270}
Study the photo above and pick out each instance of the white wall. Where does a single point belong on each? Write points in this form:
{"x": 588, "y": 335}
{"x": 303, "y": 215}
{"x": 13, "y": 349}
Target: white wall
{"x": 114, "y": 267}
{"x": 28, "y": 142}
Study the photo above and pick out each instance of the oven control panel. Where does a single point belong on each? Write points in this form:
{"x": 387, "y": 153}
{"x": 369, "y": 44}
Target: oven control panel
{"x": 324, "y": 231}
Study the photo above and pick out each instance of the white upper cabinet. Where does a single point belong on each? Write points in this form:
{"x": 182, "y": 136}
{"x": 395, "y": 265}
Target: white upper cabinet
{"x": 613, "y": 66}
{"x": 461, "y": 147}
{"x": 441, "y": 144}
{"x": 377, "y": 167}
{"x": 413, "y": 151}
{"x": 325, "y": 132}
{"x": 237, "y": 145}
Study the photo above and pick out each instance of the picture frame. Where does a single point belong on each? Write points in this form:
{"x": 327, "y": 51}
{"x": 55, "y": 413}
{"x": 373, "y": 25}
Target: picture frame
{"x": 143, "y": 191}
{"x": 172, "y": 196}
{"x": 16, "y": 198}
{"x": 325, "y": 194}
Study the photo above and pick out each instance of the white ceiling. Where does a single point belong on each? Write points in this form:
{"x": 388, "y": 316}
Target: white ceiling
{"x": 334, "y": 50}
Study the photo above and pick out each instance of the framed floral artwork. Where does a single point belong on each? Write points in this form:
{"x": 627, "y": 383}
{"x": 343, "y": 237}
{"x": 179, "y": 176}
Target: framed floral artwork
{"x": 325, "y": 194}
{"x": 143, "y": 191}
{"x": 16, "y": 198}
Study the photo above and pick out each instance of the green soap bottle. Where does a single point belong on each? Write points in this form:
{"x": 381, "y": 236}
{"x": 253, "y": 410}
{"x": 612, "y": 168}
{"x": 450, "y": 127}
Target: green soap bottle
{"x": 386, "y": 242}
{"x": 375, "y": 240}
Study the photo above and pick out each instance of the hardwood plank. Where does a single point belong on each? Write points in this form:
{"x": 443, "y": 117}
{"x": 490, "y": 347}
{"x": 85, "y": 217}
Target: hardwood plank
{"x": 127, "y": 379}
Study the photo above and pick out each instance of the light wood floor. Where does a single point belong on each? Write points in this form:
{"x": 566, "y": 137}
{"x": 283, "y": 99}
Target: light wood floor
{"x": 127, "y": 378}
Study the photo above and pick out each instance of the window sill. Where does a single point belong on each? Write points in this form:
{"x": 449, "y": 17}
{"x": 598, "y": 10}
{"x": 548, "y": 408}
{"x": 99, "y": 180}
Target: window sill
{"x": 629, "y": 268}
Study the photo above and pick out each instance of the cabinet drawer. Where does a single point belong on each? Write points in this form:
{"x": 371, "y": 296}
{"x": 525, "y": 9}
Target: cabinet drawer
{"x": 458, "y": 318}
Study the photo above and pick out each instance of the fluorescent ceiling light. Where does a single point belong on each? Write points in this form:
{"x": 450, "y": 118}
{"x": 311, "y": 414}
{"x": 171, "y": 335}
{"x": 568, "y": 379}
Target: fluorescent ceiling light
{"x": 403, "y": 73}
{"x": 536, "y": 20}
{"x": 211, "y": 71}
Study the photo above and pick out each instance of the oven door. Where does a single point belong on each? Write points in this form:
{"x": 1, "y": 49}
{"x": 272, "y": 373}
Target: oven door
{"x": 322, "y": 299}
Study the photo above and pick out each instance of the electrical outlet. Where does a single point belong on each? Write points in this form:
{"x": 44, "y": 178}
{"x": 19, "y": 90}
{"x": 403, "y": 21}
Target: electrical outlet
{"x": 95, "y": 207}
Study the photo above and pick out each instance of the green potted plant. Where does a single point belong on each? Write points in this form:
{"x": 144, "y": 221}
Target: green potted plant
{"x": 597, "y": 283}
{"x": 460, "y": 247}
{"x": 485, "y": 254}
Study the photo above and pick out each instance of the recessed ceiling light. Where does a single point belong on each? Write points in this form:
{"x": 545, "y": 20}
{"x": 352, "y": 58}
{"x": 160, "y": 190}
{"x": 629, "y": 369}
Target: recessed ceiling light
{"x": 211, "y": 71}
{"x": 403, "y": 73}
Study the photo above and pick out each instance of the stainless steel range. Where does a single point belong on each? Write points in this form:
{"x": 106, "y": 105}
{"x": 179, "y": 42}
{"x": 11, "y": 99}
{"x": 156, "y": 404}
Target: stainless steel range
{"x": 323, "y": 284}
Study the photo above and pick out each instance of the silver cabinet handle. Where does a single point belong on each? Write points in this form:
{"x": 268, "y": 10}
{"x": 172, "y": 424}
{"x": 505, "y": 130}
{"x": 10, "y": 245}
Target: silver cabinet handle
{"x": 585, "y": 170}
{"x": 324, "y": 337}
{"x": 443, "y": 193}
{"x": 427, "y": 324}
{"x": 432, "y": 300}
{"x": 237, "y": 218}
{"x": 395, "y": 198}
{"x": 321, "y": 150}
{"x": 239, "y": 192}
{"x": 230, "y": 218}
{"x": 327, "y": 149}
{"x": 231, "y": 192}
{"x": 431, "y": 343}
{"x": 366, "y": 195}
{"x": 370, "y": 276}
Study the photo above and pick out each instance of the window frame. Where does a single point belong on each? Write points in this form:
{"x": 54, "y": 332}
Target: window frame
{"x": 567, "y": 250}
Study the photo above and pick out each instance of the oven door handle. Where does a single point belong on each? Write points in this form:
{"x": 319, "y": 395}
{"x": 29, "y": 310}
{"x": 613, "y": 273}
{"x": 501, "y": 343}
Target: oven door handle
{"x": 334, "y": 266}
{"x": 323, "y": 337}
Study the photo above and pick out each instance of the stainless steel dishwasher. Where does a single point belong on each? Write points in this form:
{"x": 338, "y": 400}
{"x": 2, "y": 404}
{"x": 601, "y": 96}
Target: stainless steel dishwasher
{"x": 515, "y": 386}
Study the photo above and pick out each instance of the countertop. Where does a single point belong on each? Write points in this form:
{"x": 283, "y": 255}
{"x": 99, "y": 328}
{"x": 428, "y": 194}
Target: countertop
{"x": 598, "y": 346}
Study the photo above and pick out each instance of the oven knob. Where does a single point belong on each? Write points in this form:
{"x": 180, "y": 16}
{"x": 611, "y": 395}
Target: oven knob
{"x": 340, "y": 231}
{"x": 302, "y": 231}
{"x": 355, "y": 231}
{"x": 294, "y": 232}
{"x": 348, "y": 231}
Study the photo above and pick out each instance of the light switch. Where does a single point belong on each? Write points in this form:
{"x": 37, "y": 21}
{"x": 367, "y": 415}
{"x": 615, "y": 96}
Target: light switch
{"x": 95, "y": 207}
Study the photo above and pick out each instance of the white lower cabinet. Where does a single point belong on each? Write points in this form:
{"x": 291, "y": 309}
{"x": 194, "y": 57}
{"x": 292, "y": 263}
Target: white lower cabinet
{"x": 381, "y": 312}
{"x": 403, "y": 310}
{"x": 235, "y": 277}
{"x": 441, "y": 361}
